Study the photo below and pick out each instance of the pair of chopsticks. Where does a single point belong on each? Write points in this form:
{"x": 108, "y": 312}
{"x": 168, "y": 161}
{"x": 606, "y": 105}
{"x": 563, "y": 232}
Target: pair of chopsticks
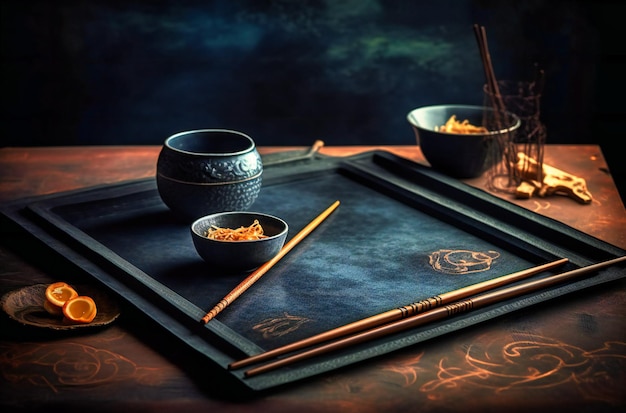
{"x": 416, "y": 314}
{"x": 259, "y": 272}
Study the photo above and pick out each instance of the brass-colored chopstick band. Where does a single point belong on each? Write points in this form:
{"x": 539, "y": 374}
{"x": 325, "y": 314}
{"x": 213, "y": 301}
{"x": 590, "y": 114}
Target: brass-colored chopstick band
{"x": 460, "y": 307}
{"x": 420, "y": 306}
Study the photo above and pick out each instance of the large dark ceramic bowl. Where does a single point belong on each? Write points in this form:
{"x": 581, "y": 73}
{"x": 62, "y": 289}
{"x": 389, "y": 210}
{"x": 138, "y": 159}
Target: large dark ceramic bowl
{"x": 238, "y": 256}
{"x": 462, "y": 155}
{"x": 205, "y": 171}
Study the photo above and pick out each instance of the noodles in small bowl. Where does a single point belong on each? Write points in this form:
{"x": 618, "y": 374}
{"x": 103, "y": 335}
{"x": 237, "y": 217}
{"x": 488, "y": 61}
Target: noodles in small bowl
{"x": 240, "y": 241}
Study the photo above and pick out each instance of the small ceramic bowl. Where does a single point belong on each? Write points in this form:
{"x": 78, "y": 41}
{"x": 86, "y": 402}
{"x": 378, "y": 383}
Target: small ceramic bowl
{"x": 205, "y": 171}
{"x": 239, "y": 256}
{"x": 457, "y": 154}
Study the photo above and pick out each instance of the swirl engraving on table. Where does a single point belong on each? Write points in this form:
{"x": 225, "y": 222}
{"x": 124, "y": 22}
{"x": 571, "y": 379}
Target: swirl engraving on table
{"x": 279, "y": 326}
{"x": 450, "y": 261}
{"x": 68, "y": 364}
{"x": 538, "y": 363}
{"x": 541, "y": 206}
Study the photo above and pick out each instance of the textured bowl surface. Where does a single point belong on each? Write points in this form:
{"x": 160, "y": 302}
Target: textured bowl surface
{"x": 461, "y": 155}
{"x": 206, "y": 171}
{"x": 191, "y": 201}
{"x": 239, "y": 256}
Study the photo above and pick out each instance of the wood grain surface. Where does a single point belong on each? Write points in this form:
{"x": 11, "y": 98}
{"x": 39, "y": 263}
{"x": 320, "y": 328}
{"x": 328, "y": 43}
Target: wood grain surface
{"x": 567, "y": 355}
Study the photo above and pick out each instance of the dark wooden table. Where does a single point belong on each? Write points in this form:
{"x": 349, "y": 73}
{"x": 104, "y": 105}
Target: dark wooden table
{"x": 569, "y": 353}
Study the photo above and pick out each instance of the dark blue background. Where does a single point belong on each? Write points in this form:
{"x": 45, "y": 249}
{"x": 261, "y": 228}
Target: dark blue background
{"x": 290, "y": 72}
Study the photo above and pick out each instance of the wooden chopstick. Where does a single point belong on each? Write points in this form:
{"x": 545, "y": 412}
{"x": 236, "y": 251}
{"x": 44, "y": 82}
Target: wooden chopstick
{"x": 397, "y": 313}
{"x": 483, "y": 57}
{"x": 436, "y": 314}
{"x": 490, "y": 77}
{"x": 259, "y": 272}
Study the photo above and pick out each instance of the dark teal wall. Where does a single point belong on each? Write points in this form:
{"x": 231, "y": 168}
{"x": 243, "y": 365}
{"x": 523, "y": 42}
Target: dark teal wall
{"x": 290, "y": 72}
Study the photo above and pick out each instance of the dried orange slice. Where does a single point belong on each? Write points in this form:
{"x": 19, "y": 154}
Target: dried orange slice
{"x": 59, "y": 292}
{"x": 81, "y": 309}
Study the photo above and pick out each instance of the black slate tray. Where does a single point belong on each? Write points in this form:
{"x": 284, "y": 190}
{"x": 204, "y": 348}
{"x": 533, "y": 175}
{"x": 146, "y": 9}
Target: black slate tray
{"x": 374, "y": 253}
